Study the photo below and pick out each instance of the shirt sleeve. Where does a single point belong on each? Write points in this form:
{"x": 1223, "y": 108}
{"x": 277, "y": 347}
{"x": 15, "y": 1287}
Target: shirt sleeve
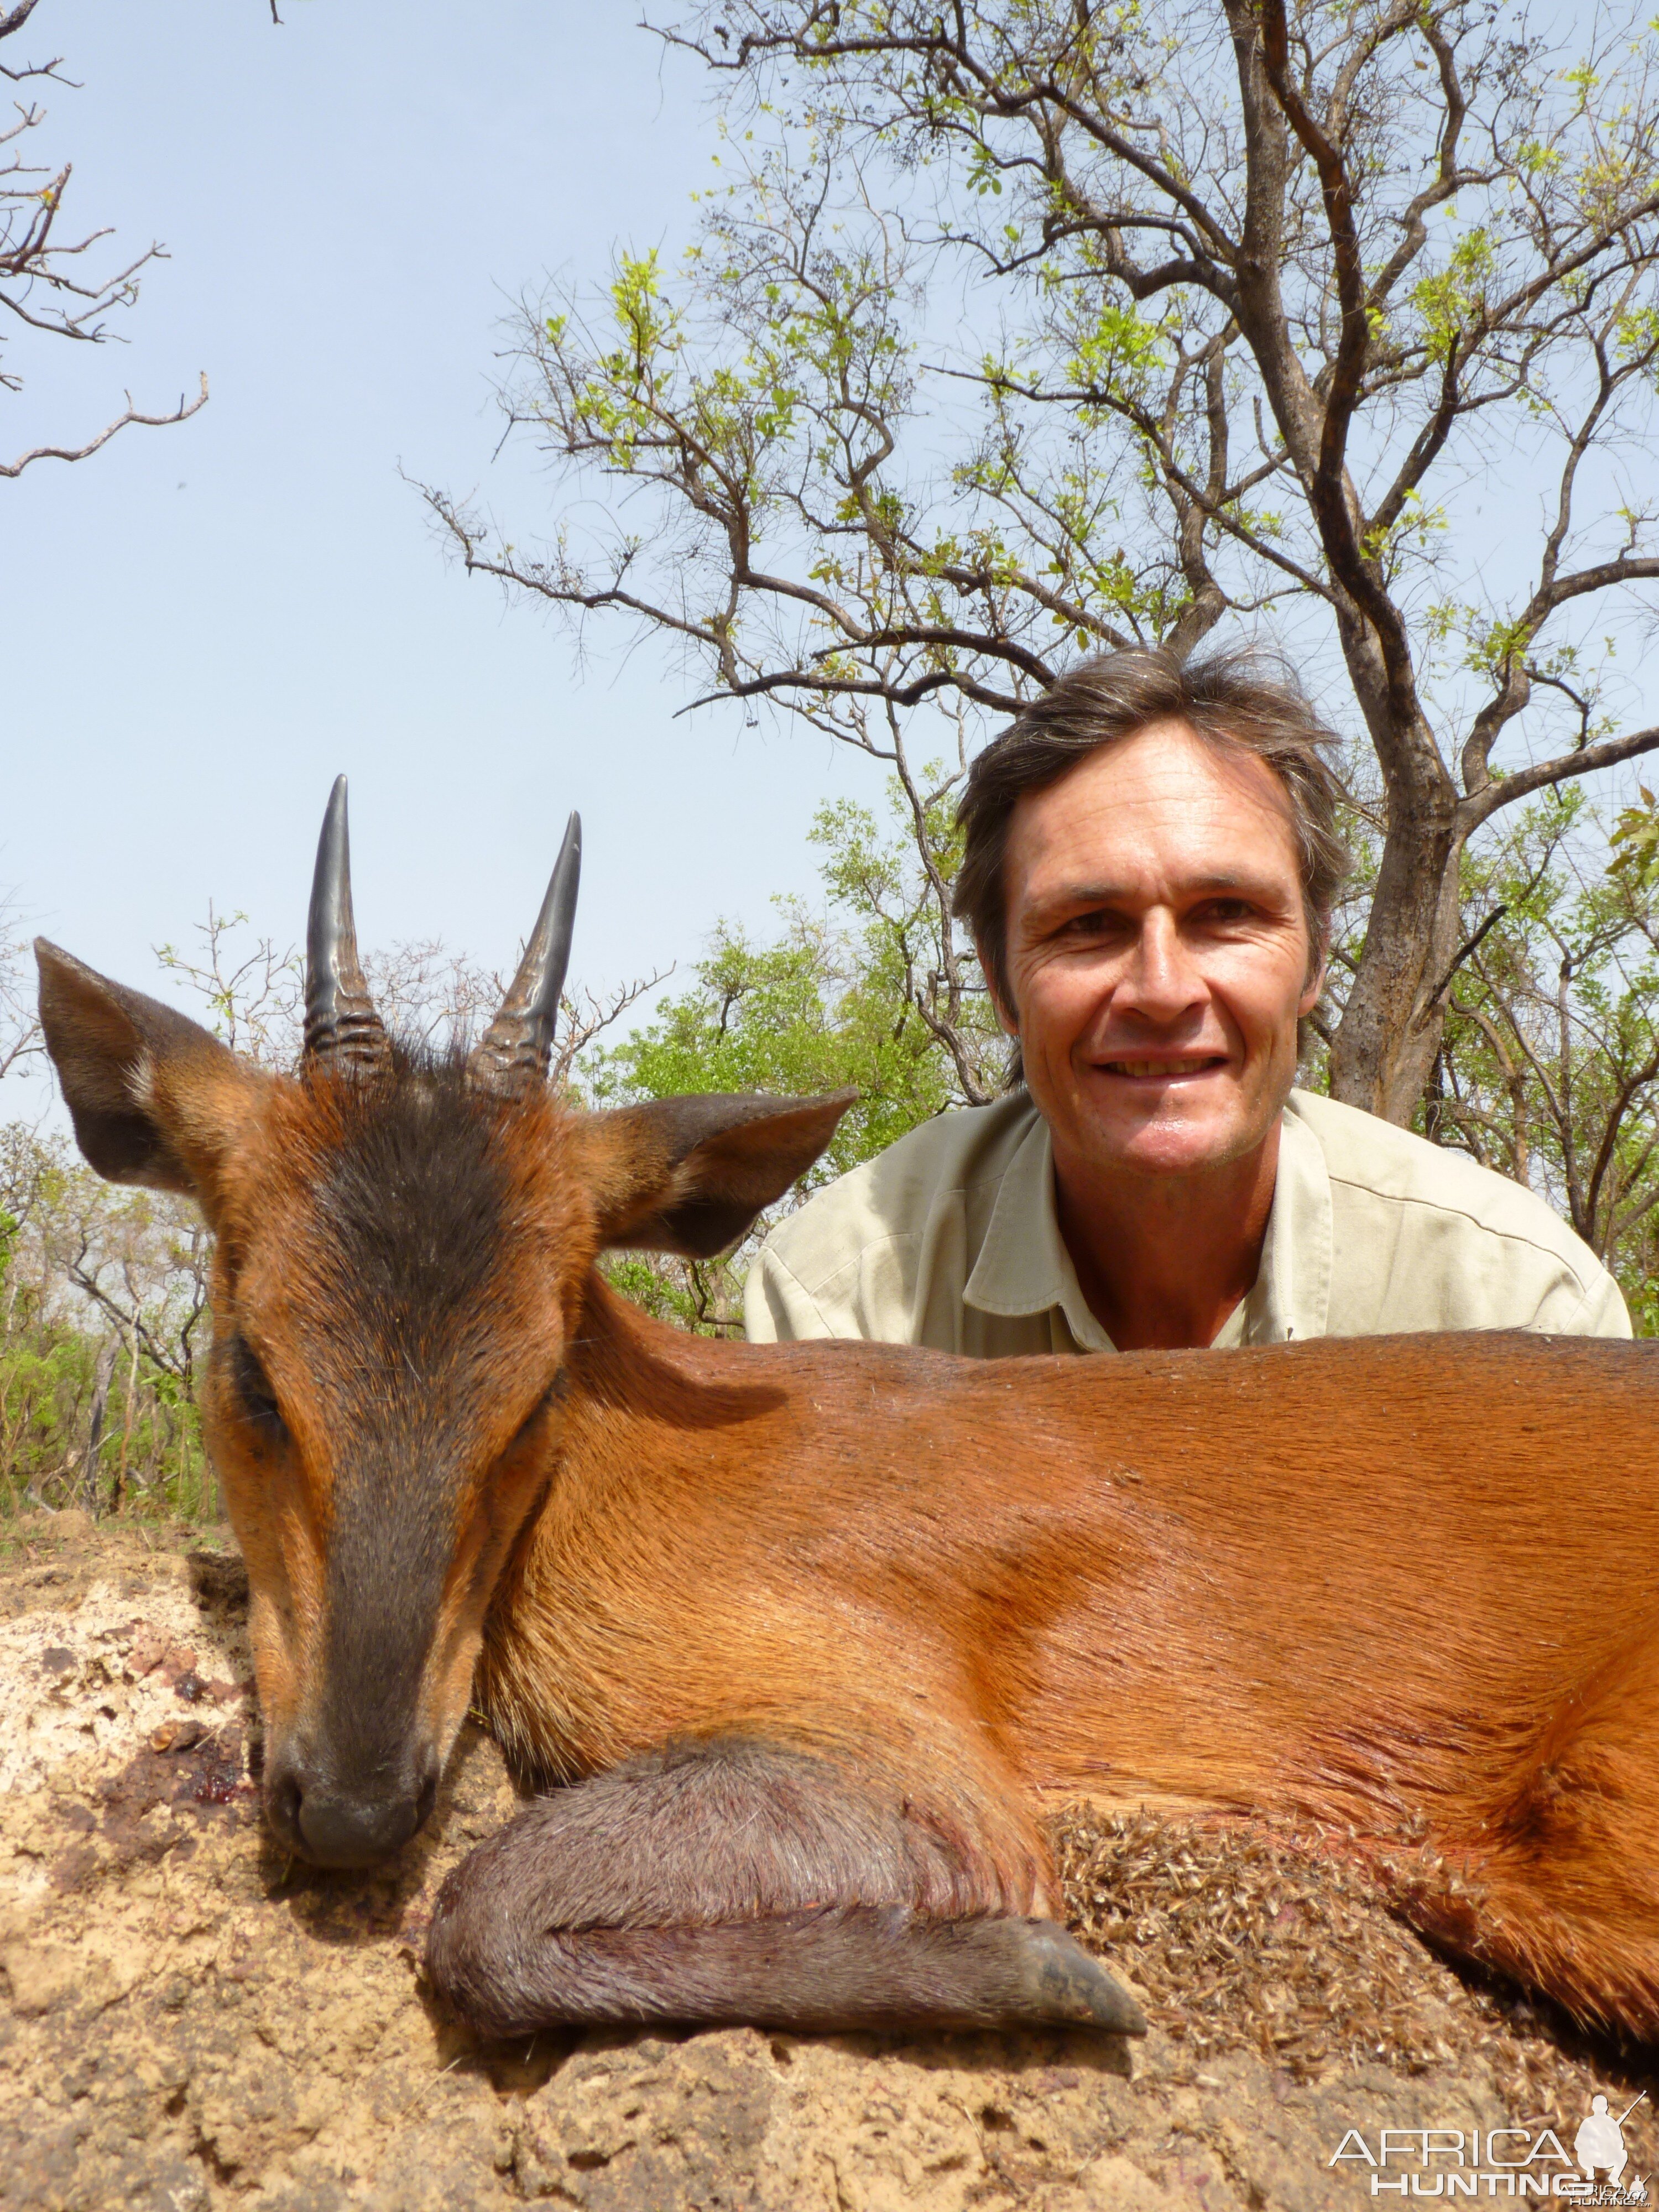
{"x": 1601, "y": 1312}
{"x": 776, "y": 1308}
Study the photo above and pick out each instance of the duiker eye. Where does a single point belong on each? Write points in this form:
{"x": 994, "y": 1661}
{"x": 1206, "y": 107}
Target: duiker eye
{"x": 259, "y": 1406}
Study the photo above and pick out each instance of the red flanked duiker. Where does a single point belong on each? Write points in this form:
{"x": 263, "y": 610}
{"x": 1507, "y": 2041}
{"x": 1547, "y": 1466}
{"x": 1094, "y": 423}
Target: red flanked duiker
{"x": 801, "y": 1640}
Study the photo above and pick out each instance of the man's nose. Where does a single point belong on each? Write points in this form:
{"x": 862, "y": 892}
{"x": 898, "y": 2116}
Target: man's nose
{"x": 1161, "y": 980}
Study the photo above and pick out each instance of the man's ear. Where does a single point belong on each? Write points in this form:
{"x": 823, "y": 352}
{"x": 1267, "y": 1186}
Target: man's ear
{"x": 1314, "y": 983}
{"x": 154, "y": 1098}
{"x": 689, "y": 1174}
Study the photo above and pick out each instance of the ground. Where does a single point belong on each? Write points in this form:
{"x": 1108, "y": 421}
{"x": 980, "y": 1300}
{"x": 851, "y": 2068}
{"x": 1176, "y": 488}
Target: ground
{"x": 189, "y": 2022}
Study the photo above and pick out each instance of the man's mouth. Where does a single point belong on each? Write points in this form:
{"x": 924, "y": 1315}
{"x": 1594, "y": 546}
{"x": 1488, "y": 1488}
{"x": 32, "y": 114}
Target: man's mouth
{"x": 1195, "y": 1064}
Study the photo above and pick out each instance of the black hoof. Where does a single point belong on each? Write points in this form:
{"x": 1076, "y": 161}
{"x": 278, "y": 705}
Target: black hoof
{"x": 1067, "y": 1984}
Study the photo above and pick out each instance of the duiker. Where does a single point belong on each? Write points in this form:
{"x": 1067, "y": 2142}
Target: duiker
{"x": 805, "y": 1638}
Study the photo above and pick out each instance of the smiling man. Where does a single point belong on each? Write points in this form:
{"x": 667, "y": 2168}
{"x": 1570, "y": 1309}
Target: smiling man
{"x": 1152, "y": 856}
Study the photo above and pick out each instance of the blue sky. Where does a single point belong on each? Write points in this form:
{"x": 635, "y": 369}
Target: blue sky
{"x": 203, "y": 625}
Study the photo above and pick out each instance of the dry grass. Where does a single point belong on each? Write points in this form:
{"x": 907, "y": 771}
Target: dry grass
{"x": 1244, "y": 1937}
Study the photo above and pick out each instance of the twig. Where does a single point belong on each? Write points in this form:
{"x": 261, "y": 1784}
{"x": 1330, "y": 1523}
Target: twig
{"x": 182, "y": 413}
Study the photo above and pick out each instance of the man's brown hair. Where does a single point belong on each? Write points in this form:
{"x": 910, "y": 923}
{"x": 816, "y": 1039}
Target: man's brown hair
{"x": 1239, "y": 702}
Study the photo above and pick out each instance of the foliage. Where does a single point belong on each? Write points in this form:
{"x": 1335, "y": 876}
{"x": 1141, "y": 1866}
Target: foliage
{"x": 1548, "y": 1071}
{"x": 101, "y": 1302}
{"x": 1548, "y": 1066}
{"x": 103, "y": 1292}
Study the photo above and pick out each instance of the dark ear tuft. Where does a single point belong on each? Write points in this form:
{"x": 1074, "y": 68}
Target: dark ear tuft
{"x": 119, "y": 1058}
{"x": 689, "y": 1174}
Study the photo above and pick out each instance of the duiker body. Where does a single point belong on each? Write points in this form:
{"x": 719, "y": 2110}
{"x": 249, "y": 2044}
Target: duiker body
{"x": 807, "y": 1636}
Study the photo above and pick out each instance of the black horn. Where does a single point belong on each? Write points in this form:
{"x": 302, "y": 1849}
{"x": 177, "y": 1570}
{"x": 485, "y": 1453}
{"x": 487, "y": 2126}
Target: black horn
{"x": 514, "y": 1052}
{"x": 343, "y": 1030}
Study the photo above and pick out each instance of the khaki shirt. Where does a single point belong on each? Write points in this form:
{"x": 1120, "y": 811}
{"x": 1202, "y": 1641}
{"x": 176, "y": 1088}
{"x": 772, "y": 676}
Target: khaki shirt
{"x": 951, "y": 1238}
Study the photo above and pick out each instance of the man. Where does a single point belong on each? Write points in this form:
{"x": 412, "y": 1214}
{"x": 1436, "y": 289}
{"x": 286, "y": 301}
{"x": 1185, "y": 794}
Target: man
{"x": 1151, "y": 857}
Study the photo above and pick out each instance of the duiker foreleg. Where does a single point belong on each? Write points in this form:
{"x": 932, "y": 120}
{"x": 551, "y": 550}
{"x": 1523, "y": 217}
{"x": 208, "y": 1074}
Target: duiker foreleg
{"x": 731, "y": 1883}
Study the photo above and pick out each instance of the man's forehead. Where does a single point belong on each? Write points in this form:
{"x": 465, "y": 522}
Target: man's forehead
{"x": 1164, "y": 802}
{"x": 1127, "y": 889}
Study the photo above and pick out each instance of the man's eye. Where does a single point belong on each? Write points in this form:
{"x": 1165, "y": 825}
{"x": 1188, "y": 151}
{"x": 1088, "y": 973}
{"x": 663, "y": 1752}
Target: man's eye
{"x": 259, "y": 1400}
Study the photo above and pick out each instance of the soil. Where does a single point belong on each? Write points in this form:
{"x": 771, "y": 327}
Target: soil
{"x": 188, "y": 2020}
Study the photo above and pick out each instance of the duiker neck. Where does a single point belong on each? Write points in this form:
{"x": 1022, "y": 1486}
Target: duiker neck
{"x": 626, "y": 1362}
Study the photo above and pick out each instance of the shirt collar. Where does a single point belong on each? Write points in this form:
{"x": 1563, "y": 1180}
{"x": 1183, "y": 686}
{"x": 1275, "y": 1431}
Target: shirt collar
{"x": 1023, "y": 1266}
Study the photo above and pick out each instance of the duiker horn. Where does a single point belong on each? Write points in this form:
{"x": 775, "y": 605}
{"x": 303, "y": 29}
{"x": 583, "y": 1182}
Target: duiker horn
{"x": 343, "y": 1030}
{"x": 515, "y": 1051}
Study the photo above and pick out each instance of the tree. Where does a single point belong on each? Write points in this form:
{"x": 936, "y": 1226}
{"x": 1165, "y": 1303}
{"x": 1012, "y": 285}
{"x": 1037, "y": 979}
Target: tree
{"x": 1260, "y": 295}
{"x": 102, "y": 1292}
{"x": 1549, "y": 1064}
{"x": 49, "y": 282}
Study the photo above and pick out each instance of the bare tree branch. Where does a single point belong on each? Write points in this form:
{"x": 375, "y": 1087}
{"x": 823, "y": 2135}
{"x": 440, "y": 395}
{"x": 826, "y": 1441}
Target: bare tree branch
{"x": 181, "y": 413}
{"x": 1608, "y": 753}
{"x": 51, "y": 285}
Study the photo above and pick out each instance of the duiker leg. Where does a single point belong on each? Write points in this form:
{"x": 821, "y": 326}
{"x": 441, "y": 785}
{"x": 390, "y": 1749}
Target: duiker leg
{"x": 731, "y": 1882}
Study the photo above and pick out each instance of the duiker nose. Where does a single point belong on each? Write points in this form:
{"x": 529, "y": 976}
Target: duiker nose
{"x": 355, "y": 1832}
{"x": 336, "y": 1827}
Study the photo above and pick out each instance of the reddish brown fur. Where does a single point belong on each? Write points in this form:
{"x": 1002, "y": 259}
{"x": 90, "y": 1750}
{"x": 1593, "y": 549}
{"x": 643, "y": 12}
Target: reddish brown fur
{"x": 1405, "y": 1587}
{"x": 1371, "y": 1583}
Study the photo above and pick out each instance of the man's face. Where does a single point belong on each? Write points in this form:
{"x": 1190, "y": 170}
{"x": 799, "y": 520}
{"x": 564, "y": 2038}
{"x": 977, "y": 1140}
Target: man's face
{"x": 1158, "y": 953}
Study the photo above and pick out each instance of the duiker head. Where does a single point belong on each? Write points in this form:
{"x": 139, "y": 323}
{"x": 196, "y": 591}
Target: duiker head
{"x": 403, "y": 1252}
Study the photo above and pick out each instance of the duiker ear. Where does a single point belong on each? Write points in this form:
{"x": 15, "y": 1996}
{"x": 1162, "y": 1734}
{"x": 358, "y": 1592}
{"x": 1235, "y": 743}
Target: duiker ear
{"x": 689, "y": 1174}
{"x": 152, "y": 1096}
